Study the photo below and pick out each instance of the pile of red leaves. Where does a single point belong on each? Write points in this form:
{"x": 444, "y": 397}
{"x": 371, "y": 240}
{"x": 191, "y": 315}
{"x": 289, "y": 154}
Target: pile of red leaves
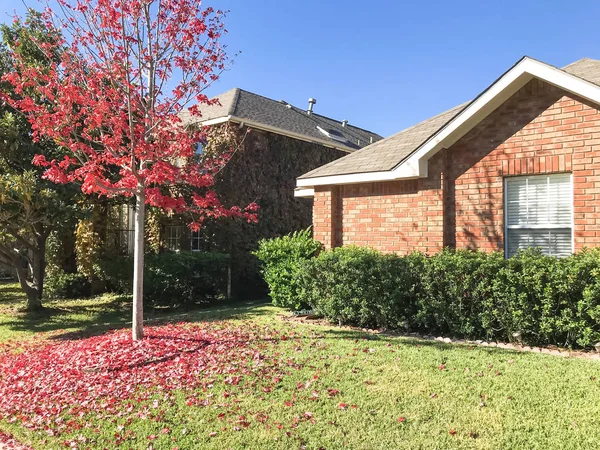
{"x": 7, "y": 442}
{"x": 112, "y": 375}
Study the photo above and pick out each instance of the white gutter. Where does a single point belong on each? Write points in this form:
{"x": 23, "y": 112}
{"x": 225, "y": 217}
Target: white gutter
{"x": 299, "y": 192}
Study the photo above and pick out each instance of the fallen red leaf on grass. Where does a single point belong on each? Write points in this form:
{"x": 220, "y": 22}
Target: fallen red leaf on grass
{"x": 112, "y": 375}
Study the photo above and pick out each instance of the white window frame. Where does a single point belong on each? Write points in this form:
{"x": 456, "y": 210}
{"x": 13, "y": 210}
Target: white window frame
{"x": 176, "y": 238}
{"x": 195, "y": 236}
{"x": 533, "y": 227}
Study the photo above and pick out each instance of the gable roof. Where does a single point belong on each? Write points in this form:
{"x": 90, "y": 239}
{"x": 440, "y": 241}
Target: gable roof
{"x": 390, "y": 158}
{"x": 240, "y": 106}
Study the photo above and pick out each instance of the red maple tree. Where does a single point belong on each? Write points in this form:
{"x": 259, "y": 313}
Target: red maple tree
{"x": 114, "y": 97}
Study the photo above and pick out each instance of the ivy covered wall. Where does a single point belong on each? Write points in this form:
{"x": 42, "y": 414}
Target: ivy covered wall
{"x": 264, "y": 169}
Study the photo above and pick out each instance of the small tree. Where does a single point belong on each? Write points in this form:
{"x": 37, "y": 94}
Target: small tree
{"x": 127, "y": 70}
{"x": 30, "y": 207}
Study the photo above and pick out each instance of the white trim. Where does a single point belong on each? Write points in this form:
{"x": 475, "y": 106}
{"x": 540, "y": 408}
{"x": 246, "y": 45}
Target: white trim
{"x": 504, "y": 214}
{"x": 346, "y": 179}
{"x": 218, "y": 120}
{"x": 415, "y": 166}
{"x": 299, "y": 192}
{"x": 538, "y": 227}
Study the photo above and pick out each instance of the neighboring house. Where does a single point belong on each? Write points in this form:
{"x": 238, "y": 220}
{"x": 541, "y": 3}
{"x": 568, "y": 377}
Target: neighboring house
{"x": 276, "y": 142}
{"x": 517, "y": 167}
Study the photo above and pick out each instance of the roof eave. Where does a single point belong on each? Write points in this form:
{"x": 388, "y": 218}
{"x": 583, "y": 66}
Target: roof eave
{"x": 263, "y": 127}
{"x": 415, "y": 165}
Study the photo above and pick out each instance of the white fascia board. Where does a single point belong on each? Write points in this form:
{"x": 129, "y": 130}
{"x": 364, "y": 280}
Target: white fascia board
{"x": 497, "y": 94}
{"x": 304, "y": 192}
{"x": 216, "y": 121}
{"x": 416, "y": 165}
{"x": 353, "y": 178}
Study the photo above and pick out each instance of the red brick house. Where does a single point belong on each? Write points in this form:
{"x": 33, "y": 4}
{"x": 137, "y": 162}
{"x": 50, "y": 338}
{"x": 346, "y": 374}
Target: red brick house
{"x": 517, "y": 167}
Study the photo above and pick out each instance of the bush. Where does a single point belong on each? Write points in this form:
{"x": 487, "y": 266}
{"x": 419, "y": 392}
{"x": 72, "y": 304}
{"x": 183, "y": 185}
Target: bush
{"x": 174, "y": 279}
{"x": 59, "y": 284}
{"x": 354, "y": 285}
{"x": 282, "y": 261}
{"x": 116, "y": 273}
{"x": 171, "y": 279}
{"x": 531, "y": 297}
{"x": 455, "y": 288}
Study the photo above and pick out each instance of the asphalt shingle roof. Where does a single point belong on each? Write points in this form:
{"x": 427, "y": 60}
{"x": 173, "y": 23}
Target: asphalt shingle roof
{"x": 244, "y": 105}
{"x": 386, "y": 154}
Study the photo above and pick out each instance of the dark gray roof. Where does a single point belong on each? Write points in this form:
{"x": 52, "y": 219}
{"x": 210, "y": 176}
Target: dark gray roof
{"x": 243, "y": 105}
{"x": 386, "y": 154}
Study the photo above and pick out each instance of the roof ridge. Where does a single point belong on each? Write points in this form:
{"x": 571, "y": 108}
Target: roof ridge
{"x": 295, "y": 107}
{"x": 234, "y": 103}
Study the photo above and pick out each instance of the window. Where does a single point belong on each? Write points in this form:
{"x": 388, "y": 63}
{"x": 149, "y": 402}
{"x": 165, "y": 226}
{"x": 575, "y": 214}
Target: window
{"x": 539, "y": 213}
{"x": 196, "y": 241}
{"x": 199, "y": 148}
{"x": 174, "y": 238}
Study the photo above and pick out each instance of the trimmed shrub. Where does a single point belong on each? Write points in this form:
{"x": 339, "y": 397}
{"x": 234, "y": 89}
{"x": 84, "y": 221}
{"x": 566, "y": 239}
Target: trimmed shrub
{"x": 532, "y": 298}
{"x": 59, "y": 284}
{"x": 282, "y": 261}
{"x": 354, "y": 285}
{"x": 171, "y": 279}
{"x": 455, "y": 288}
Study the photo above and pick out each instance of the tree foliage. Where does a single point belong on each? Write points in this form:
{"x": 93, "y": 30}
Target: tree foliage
{"x": 30, "y": 207}
{"x": 126, "y": 72}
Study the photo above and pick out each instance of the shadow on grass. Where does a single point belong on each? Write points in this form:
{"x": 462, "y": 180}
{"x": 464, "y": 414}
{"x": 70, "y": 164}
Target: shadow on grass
{"x": 77, "y": 319}
{"x": 11, "y": 295}
{"x": 412, "y": 341}
{"x": 212, "y": 313}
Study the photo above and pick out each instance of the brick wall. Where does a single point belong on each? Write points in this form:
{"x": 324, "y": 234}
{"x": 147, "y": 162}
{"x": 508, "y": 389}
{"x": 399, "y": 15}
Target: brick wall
{"x": 541, "y": 129}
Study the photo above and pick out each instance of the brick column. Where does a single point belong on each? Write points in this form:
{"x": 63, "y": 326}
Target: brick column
{"x": 323, "y": 216}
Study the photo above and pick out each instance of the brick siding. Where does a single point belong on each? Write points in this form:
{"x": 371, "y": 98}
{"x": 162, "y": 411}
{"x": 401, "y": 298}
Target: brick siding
{"x": 539, "y": 130}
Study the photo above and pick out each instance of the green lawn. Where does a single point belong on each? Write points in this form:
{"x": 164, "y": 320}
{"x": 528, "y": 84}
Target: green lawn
{"x": 338, "y": 389}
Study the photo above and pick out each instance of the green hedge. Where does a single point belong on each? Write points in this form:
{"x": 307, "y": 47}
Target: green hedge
{"x": 282, "y": 260}
{"x": 464, "y": 294}
{"x": 62, "y": 285}
{"x": 171, "y": 279}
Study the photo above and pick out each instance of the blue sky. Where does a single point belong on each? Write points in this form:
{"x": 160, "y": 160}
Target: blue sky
{"x": 385, "y": 65}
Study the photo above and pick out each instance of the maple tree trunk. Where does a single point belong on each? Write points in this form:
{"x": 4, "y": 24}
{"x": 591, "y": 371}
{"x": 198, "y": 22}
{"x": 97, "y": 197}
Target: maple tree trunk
{"x": 34, "y": 297}
{"x": 138, "y": 266}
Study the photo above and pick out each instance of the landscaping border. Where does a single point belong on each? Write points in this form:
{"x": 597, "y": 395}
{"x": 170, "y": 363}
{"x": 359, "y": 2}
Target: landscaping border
{"x": 550, "y": 350}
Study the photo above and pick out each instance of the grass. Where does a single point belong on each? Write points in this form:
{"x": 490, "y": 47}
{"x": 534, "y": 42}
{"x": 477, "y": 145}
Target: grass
{"x": 449, "y": 396}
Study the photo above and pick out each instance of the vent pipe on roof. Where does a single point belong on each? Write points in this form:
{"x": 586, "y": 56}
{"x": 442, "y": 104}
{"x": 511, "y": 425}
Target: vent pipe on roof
{"x": 344, "y": 123}
{"x": 311, "y": 104}
{"x": 371, "y": 139}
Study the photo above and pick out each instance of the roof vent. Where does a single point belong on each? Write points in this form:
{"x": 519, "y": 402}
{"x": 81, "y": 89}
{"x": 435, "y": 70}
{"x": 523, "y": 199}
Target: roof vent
{"x": 311, "y": 103}
{"x": 334, "y": 135}
{"x": 344, "y": 123}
